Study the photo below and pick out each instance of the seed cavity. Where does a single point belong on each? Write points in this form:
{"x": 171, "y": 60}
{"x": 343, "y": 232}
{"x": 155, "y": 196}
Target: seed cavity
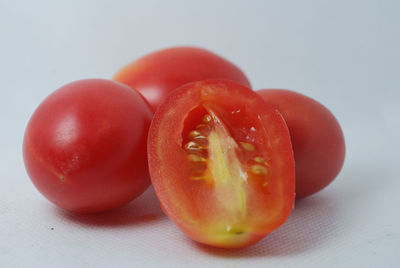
{"x": 196, "y": 158}
{"x": 258, "y": 170}
{"x": 247, "y": 146}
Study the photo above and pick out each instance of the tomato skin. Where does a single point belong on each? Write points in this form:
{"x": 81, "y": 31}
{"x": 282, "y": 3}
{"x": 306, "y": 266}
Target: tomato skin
{"x": 159, "y": 73}
{"x": 188, "y": 203}
{"x": 317, "y": 139}
{"x": 85, "y": 146}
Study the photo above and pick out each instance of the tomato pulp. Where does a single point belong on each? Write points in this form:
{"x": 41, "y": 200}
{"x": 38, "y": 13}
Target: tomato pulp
{"x": 317, "y": 138}
{"x": 159, "y": 73}
{"x": 221, "y": 163}
{"x": 85, "y": 146}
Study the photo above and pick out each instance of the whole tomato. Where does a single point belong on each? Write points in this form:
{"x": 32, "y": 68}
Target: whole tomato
{"x": 85, "y": 146}
{"x": 317, "y": 139}
{"x": 157, "y": 74}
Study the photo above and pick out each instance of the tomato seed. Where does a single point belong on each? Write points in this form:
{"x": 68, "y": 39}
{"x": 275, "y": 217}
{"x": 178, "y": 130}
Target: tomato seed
{"x": 260, "y": 160}
{"x": 195, "y": 178}
{"x": 258, "y": 169}
{"x": 192, "y": 146}
{"x": 247, "y": 146}
{"x": 201, "y": 140}
{"x": 196, "y": 158}
{"x": 194, "y": 134}
{"x": 207, "y": 118}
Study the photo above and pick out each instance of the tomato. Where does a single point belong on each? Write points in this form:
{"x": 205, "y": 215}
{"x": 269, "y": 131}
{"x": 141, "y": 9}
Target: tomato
{"x": 317, "y": 138}
{"x": 85, "y": 146}
{"x": 157, "y": 74}
{"x": 221, "y": 163}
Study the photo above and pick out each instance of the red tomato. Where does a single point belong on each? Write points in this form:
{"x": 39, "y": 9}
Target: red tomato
{"x": 317, "y": 139}
{"x": 221, "y": 163}
{"x": 85, "y": 146}
{"x": 157, "y": 74}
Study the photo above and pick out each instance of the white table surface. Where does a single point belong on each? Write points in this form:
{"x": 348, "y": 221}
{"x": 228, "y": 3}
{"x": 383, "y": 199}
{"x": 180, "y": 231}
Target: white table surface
{"x": 343, "y": 53}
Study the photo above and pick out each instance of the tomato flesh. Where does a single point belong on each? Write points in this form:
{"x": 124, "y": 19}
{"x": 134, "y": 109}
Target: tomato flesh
{"x": 223, "y": 177}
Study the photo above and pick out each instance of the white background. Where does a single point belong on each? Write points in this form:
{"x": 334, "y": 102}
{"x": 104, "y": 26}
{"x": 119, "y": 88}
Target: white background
{"x": 343, "y": 53}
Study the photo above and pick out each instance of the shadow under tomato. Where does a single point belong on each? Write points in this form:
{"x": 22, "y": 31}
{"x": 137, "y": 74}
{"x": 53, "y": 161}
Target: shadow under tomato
{"x": 143, "y": 210}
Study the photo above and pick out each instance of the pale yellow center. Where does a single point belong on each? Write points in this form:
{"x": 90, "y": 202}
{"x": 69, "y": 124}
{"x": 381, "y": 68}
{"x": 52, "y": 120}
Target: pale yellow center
{"x": 229, "y": 177}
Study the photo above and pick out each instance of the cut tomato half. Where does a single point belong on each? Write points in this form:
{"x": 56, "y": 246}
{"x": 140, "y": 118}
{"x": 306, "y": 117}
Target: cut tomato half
{"x": 221, "y": 163}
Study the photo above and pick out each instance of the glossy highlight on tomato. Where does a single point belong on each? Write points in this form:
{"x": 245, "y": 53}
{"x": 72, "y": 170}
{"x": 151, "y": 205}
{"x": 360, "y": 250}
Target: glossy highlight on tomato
{"x": 221, "y": 163}
{"x": 159, "y": 73}
{"x": 85, "y": 146}
{"x": 317, "y": 138}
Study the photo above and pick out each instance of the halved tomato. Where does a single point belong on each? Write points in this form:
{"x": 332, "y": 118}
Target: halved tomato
{"x": 221, "y": 163}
